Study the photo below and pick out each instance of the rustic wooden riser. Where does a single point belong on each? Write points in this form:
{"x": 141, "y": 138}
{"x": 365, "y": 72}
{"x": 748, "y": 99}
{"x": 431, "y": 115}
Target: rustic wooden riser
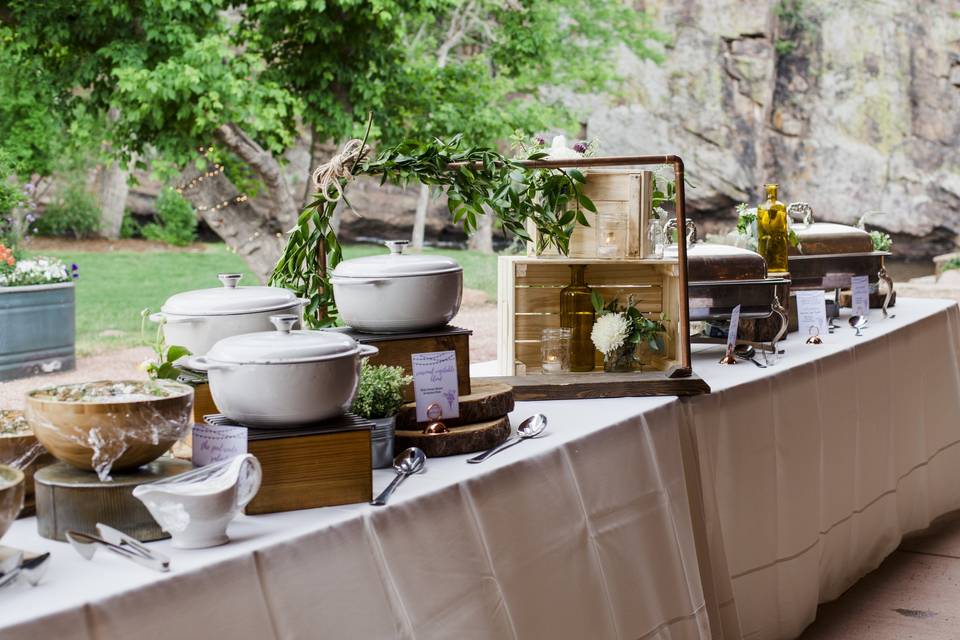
{"x": 487, "y": 401}
{"x": 458, "y": 441}
{"x": 602, "y": 385}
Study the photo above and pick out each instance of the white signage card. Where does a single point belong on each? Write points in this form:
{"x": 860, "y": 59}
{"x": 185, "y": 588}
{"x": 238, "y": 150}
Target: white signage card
{"x": 812, "y": 313}
{"x": 435, "y": 385}
{"x": 860, "y": 287}
{"x": 734, "y": 327}
{"x": 217, "y": 443}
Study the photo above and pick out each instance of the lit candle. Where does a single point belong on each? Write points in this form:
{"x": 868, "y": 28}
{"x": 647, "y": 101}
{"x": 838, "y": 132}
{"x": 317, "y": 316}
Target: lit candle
{"x": 609, "y": 247}
{"x": 551, "y": 363}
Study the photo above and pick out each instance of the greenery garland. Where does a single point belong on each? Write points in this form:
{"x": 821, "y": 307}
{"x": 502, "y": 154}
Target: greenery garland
{"x": 476, "y": 180}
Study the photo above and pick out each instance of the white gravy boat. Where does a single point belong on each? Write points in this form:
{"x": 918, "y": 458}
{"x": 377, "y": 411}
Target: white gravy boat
{"x": 195, "y": 507}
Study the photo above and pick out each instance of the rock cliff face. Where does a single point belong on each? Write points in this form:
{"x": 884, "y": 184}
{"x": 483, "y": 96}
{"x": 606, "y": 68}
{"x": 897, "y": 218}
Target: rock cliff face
{"x": 852, "y": 106}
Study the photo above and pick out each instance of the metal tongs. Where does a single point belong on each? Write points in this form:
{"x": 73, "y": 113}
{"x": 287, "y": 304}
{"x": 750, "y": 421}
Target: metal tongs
{"x": 120, "y": 544}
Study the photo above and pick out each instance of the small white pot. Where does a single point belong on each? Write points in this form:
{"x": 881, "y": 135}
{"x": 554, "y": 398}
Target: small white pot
{"x": 283, "y": 378}
{"x": 397, "y": 293}
{"x": 199, "y": 319}
{"x": 196, "y": 507}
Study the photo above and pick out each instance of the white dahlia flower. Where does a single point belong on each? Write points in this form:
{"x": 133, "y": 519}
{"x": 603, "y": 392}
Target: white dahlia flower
{"x": 610, "y": 331}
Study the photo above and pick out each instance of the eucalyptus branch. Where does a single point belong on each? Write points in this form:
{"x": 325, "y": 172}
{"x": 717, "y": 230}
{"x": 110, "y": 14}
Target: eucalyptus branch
{"x": 473, "y": 179}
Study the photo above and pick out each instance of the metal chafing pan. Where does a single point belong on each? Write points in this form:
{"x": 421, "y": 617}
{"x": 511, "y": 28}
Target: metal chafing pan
{"x": 722, "y": 277}
{"x": 828, "y": 255}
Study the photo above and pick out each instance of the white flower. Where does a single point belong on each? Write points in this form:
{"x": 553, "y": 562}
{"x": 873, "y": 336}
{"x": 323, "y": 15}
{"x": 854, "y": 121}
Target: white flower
{"x": 609, "y": 332}
{"x": 39, "y": 270}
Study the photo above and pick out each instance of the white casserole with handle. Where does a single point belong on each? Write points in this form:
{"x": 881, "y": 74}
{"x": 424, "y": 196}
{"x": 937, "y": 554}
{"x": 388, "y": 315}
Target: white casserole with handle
{"x": 199, "y": 319}
{"x": 284, "y": 377}
{"x": 397, "y": 293}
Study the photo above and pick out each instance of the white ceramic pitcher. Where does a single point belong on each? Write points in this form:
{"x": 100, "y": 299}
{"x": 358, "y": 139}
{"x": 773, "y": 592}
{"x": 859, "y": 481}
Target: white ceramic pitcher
{"x": 196, "y": 507}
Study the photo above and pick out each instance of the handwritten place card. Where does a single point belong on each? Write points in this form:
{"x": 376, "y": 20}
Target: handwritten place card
{"x": 812, "y": 313}
{"x": 216, "y": 443}
{"x": 435, "y": 385}
{"x": 860, "y": 288}
{"x": 734, "y": 328}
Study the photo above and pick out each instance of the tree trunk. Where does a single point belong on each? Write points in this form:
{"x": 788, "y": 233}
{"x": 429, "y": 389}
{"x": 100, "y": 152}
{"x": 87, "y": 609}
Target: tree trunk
{"x": 420, "y": 218}
{"x": 255, "y": 228}
{"x": 112, "y": 189}
{"x": 482, "y": 238}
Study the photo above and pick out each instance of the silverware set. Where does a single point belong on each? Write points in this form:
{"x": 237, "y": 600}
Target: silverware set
{"x": 119, "y": 543}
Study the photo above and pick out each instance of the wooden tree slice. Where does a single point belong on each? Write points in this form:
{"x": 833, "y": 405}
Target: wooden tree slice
{"x": 488, "y": 400}
{"x": 459, "y": 440}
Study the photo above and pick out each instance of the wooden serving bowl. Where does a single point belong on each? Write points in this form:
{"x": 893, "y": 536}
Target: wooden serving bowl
{"x": 11, "y": 496}
{"x": 19, "y": 448}
{"x": 120, "y": 434}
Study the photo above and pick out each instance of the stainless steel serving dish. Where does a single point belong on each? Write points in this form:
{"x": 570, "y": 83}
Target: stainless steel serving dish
{"x": 720, "y": 277}
{"x": 829, "y": 255}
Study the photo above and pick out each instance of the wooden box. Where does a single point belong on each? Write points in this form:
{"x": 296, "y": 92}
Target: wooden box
{"x": 620, "y": 192}
{"x": 305, "y": 468}
{"x": 529, "y": 301}
{"x": 396, "y": 350}
{"x": 203, "y": 402}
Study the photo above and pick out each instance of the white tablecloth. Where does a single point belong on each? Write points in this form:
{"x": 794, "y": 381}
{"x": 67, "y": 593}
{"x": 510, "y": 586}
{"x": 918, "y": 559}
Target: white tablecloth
{"x": 584, "y": 533}
{"x": 811, "y": 474}
{"x": 802, "y": 477}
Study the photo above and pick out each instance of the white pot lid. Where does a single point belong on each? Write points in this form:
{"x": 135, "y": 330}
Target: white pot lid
{"x": 229, "y": 299}
{"x": 283, "y": 346}
{"x": 396, "y": 264}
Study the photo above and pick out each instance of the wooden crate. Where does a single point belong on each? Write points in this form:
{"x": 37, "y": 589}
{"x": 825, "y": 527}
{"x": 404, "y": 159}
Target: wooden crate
{"x": 625, "y": 193}
{"x": 529, "y": 301}
{"x": 397, "y": 349}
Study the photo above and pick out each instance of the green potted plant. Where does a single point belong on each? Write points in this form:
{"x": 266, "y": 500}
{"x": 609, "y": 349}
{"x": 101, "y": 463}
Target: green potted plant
{"x": 379, "y": 398}
{"x": 626, "y": 337}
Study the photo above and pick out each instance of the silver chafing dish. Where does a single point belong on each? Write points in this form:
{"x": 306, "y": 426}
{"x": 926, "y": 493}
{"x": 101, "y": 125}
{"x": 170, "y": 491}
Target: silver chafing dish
{"x": 720, "y": 277}
{"x": 829, "y": 255}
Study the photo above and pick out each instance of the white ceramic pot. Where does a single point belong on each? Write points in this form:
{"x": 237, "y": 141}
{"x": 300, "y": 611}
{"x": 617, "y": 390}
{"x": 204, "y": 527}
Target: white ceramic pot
{"x": 196, "y": 507}
{"x": 199, "y": 319}
{"x": 283, "y": 378}
{"x": 397, "y": 293}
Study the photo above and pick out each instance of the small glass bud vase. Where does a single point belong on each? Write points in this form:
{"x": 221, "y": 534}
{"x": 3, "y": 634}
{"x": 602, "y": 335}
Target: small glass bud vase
{"x": 555, "y": 350}
{"x": 621, "y": 359}
{"x": 655, "y": 239}
{"x": 612, "y": 236}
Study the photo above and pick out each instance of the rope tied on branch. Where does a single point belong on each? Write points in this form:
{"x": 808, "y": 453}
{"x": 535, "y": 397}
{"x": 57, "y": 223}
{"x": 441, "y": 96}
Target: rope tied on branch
{"x": 338, "y": 168}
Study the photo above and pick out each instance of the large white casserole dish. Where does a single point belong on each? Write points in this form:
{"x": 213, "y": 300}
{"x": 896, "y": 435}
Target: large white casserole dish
{"x": 283, "y": 378}
{"x": 199, "y": 319}
{"x": 397, "y": 293}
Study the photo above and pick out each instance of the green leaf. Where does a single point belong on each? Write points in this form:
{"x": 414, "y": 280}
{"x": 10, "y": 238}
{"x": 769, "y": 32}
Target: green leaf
{"x": 175, "y": 352}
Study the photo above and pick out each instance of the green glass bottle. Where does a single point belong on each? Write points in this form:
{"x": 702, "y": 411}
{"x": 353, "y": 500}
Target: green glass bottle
{"x": 576, "y": 314}
{"x": 772, "y": 233}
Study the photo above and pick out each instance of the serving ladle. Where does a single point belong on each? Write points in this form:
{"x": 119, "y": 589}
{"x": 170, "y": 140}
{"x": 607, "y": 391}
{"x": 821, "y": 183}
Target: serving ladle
{"x": 529, "y": 428}
{"x": 407, "y": 463}
{"x": 858, "y": 323}
{"x": 747, "y": 352}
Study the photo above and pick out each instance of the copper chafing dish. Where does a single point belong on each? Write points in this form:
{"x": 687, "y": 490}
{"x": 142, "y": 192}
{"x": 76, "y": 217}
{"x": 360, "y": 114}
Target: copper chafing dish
{"x": 720, "y": 277}
{"x": 829, "y": 255}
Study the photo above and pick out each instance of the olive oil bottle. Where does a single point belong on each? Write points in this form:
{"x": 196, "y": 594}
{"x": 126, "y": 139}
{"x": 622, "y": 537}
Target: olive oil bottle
{"x": 772, "y": 232}
{"x": 576, "y": 314}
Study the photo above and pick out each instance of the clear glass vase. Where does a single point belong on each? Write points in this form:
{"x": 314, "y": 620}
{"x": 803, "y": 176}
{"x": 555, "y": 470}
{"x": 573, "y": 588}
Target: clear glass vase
{"x": 620, "y": 359}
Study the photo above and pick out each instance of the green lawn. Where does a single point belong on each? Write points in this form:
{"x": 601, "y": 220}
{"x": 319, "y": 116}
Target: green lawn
{"x": 114, "y": 287}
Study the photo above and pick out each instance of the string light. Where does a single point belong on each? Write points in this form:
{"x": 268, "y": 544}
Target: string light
{"x": 223, "y": 205}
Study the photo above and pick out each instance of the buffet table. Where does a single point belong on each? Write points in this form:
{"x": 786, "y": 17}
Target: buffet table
{"x": 811, "y": 471}
{"x": 802, "y": 477}
{"x": 582, "y": 533}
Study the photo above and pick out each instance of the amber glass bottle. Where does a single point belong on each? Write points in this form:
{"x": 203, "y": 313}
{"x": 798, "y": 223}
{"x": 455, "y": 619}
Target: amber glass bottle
{"x": 772, "y": 231}
{"x": 576, "y": 314}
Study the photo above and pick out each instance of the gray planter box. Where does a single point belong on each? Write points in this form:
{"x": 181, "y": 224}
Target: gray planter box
{"x": 37, "y": 330}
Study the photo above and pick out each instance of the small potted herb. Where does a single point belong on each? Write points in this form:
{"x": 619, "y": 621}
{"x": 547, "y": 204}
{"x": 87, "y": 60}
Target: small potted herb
{"x": 625, "y": 336}
{"x": 379, "y": 398}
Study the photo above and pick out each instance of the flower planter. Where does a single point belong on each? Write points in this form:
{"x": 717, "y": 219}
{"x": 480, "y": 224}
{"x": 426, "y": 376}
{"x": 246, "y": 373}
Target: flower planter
{"x": 37, "y": 330}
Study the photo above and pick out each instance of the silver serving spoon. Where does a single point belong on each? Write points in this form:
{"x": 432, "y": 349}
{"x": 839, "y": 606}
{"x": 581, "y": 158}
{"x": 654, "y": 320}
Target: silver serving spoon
{"x": 409, "y": 461}
{"x": 858, "y": 322}
{"x": 31, "y": 569}
{"x": 747, "y": 352}
{"x": 529, "y": 428}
